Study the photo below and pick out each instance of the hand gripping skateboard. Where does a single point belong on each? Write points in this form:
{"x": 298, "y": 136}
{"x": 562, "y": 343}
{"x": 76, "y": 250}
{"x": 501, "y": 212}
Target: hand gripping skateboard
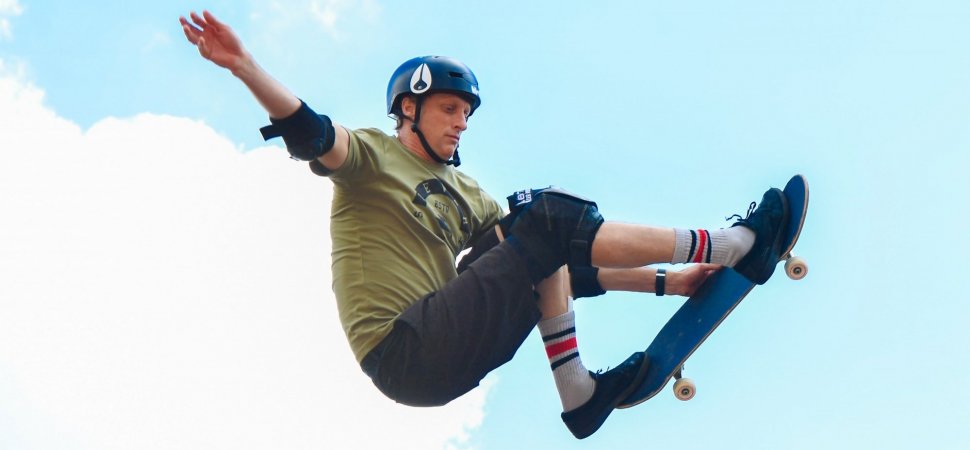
{"x": 690, "y": 326}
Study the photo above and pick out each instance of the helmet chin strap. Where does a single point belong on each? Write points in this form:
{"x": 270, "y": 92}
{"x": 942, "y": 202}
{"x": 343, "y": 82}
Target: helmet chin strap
{"x": 454, "y": 161}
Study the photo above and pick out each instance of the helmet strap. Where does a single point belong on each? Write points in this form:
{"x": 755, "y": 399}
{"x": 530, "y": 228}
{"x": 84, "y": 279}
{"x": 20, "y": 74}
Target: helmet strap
{"x": 454, "y": 161}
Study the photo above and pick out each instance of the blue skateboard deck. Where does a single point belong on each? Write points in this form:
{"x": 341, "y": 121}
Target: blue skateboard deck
{"x": 701, "y": 314}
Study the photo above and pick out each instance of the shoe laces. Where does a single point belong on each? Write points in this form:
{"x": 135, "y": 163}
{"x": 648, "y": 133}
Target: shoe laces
{"x": 751, "y": 209}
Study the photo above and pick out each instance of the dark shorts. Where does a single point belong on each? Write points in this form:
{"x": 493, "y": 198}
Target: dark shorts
{"x": 443, "y": 345}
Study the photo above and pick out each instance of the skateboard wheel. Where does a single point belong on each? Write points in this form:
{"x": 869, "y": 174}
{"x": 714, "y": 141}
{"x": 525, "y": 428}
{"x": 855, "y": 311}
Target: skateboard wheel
{"x": 796, "y": 268}
{"x": 684, "y": 389}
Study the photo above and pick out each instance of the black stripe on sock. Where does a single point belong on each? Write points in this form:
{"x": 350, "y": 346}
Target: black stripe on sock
{"x": 693, "y": 245}
{"x": 564, "y": 360}
{"x": 710, "y": 249}
{"x": 560, "y": 334}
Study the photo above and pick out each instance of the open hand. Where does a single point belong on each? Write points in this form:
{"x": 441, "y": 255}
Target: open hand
{"x": 216, "y": 41}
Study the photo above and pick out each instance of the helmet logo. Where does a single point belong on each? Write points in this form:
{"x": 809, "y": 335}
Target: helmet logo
{"x": 421, "y": 80}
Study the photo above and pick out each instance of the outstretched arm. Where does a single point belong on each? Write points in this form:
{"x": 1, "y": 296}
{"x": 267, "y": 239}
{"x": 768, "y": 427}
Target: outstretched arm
{"x": 217, "y": 42}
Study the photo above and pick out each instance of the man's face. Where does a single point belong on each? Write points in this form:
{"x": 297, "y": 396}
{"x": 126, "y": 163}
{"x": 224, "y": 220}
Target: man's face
{"x": 444, "y": 117}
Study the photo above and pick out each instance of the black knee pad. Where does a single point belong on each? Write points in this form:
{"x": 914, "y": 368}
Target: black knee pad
{"x": 555, "y": 227}
{"x": 576, "y": 215}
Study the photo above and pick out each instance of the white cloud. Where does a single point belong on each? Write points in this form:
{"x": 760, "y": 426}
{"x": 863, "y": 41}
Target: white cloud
{"x": 334, "y": 17}
{"x": 161, "y": 290}
{"x": 8, "y": 8}
{"x": 330, "y": 13}
{"x": 156, "y": 40}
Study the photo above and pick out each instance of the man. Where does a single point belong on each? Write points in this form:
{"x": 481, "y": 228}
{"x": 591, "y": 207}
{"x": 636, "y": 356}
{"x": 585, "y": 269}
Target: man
{"x": 427, "y": 332}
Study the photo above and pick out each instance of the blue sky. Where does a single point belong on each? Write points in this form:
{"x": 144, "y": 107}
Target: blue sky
{"x": 149, "y": 224}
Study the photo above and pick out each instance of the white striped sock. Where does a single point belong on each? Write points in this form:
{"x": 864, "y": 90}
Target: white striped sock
{"x": 573, "y": 382}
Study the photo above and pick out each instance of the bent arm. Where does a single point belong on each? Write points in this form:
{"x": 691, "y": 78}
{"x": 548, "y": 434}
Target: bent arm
{"x": 684, "y": 282}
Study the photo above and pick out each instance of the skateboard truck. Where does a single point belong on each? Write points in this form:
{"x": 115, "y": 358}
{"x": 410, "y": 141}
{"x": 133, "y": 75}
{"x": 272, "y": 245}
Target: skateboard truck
{"x": 795, "y": 266}
{"x": 684, "y": 388}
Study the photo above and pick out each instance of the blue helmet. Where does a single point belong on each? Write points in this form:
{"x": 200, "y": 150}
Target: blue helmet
{"x": 428, "y": 74}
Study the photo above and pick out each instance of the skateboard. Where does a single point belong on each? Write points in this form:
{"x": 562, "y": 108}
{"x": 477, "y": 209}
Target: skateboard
{"x": 713, "y": 301}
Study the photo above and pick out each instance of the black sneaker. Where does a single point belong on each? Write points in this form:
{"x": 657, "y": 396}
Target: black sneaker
{"x": 611, "y": 388}
{"x": 768, "y": 223}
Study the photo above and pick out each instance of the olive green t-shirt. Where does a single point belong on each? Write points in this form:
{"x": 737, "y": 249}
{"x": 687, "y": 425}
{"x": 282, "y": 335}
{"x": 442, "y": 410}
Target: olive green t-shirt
{"x": 397, "y": 224}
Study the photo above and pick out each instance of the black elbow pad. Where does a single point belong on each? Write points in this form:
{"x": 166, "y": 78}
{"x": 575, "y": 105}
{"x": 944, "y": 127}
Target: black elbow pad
{"x": 307, "y": 135}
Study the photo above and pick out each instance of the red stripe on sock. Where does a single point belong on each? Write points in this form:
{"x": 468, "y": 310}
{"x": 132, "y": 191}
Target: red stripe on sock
{"x": 560, "y": 347}
{"x": 702, "y": 237}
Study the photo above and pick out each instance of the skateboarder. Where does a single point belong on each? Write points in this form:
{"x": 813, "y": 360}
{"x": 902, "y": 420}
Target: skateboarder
{"x": 425, "y": 331}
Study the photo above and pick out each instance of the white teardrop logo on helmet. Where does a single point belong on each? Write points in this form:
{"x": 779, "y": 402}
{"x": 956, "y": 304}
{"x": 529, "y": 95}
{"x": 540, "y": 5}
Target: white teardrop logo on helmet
{"x": 421, "y": 79}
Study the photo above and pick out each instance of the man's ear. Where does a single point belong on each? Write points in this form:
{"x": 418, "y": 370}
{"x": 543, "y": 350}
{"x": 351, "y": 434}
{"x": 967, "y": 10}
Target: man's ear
{"x": 408, "y": 104}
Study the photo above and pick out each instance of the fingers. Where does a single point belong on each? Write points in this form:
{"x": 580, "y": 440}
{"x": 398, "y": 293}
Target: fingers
{"x": 198, "y": 28}
{"x": 194, "y": 30}
{"x": 194, "y": 34}
{"x": 696, "y": 275}
{"x": 198, "y": 20}
{"x": 190, "y": 34}
{"x": 212, "y": 21}
{"x": 709, "y": 267}
{"x": 203, "y": 48}
{"x": 207, "y": 21}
